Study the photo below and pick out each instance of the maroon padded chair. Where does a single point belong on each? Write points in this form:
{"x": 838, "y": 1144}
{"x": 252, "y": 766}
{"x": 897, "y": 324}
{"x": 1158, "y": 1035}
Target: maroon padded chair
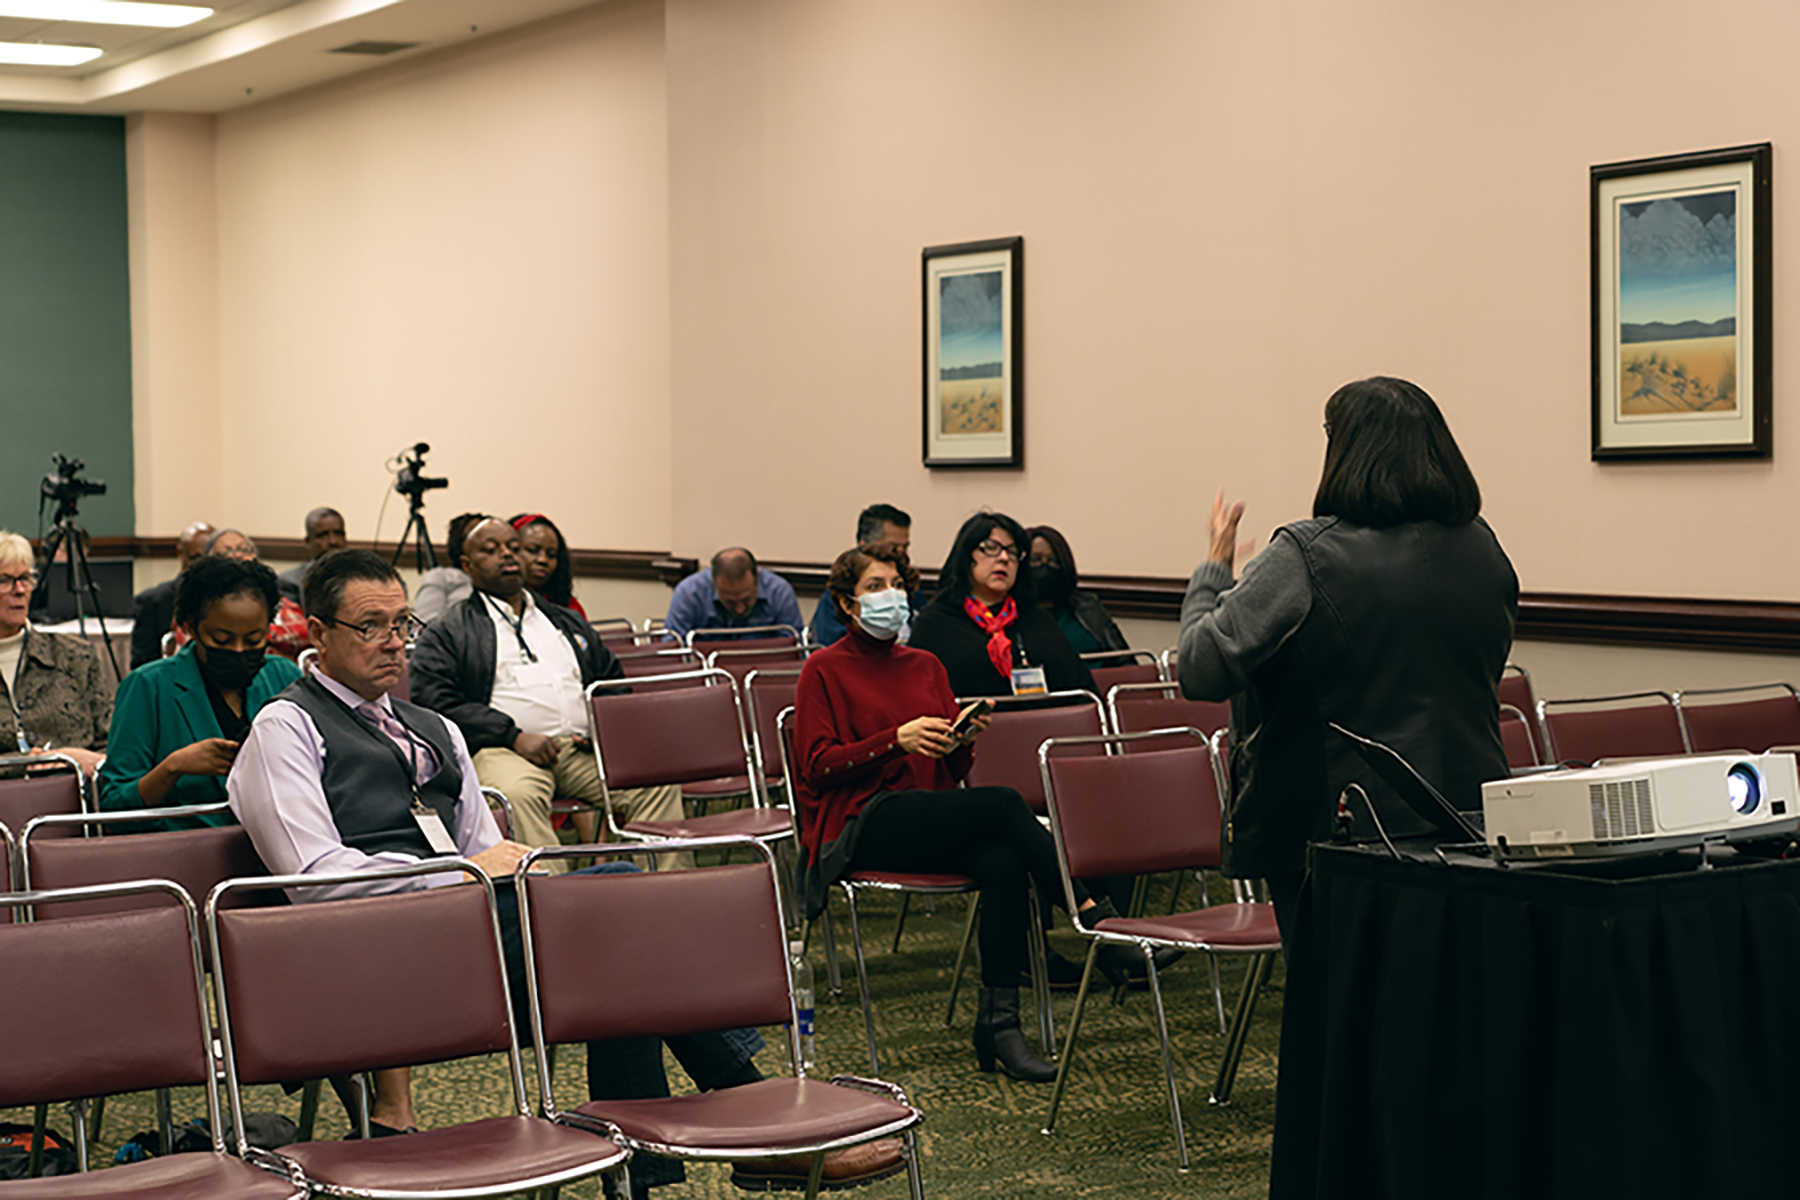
{"x": 740, "y": 663}
{"x": 680, "y": 734}
{"x": 1517, "y": 690}
{"x": 431, "y": 966}
{"x": 767, "y": 692}
{"x": 1515, "y": 735}
{"x": 1141, "y": 707}
{"x": 1634, "y": 725}
{"x": 1140, "y": 814}
{"x": 1743, "y": 718}
{"x": 1110, "y": 672}
{"x": 1006, "y": 755}
{"x": 732, "y": 971}
{"x": 197, "y": 859}
{"x": 746, "y": 637}
{"x": 8, "y": 856}
{"x": 65, "y": 983}
{"x": 904, "y": 883}
{"x": 41, "y": 792}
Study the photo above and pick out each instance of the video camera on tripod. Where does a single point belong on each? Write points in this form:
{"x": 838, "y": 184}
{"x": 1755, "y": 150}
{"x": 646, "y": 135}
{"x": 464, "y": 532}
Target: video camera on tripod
{"x": 411, "y": 482}
{"x": 61, "y": 485}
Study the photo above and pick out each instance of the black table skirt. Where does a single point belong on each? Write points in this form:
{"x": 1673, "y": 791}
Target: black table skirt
{"x": 1476, "y": 1032}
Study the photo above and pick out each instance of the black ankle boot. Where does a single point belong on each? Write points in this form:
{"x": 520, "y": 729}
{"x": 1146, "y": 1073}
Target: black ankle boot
{"x": 997, "y": 1038}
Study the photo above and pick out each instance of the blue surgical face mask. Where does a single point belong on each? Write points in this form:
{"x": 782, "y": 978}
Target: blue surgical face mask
{"x": 883, "y": 614}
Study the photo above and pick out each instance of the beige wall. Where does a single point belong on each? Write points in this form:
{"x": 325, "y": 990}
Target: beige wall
{"x": 1228, "y": 210}
{"x": 653, "y": 268}
{"x": 470, "y": 250}
{"x": 174, "y": 265}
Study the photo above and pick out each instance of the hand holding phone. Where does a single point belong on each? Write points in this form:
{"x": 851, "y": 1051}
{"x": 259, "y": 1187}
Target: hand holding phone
{"x": 965, "y": 724}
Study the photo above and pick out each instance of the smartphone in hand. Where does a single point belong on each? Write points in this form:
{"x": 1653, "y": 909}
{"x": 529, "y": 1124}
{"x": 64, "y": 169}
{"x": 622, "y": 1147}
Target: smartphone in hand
{"x": 967, "y": 721}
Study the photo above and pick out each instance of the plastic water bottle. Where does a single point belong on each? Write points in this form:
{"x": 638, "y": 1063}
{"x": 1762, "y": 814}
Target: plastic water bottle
{"x": 803, "y": 1002}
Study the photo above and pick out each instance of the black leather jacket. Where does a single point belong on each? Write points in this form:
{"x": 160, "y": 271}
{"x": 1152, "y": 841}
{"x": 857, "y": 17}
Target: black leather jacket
{"x": 452, "y": 667}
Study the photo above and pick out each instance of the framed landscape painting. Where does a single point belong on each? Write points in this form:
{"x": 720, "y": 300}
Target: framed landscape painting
{"x": 974, "y": 401}
{"x": 1680, "y": 297}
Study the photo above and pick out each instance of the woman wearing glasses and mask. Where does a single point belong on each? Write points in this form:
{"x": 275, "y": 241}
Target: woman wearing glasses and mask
{"x": 181, "y": 719}
{"x": 985, "y": 623}
{"x": 877, "y": 762}
{"x": 54, "y": 697}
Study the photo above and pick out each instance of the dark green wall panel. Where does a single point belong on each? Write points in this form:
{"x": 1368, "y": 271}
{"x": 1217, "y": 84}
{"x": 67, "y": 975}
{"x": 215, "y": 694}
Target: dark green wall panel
{"x": 65, "y": 314}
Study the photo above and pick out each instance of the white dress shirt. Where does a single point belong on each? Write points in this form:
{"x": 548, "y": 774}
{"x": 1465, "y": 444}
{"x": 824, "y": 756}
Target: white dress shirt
{"x": 276, "y": 789}
{"x": 542, "y": 697}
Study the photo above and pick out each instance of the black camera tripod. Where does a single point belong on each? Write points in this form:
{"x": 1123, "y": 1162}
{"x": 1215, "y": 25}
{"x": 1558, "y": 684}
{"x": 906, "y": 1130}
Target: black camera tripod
{"x": 66, "y": 532}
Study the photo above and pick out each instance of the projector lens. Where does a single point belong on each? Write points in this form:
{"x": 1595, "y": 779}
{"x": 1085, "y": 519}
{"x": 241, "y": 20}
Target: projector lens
{"x": 1745, "y": 787}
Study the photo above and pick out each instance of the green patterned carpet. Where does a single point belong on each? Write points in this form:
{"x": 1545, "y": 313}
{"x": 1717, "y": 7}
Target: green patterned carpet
{"x": 982, "y": 1132}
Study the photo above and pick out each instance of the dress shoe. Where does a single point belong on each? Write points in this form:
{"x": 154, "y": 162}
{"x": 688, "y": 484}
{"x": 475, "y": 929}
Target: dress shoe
{"x": 998, "y": 1040}
{"x": 850, "y": 1167}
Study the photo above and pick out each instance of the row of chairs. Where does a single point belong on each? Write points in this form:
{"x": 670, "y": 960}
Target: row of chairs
{"x": 1653, "y": 724}
{"x": 414, "y": 950}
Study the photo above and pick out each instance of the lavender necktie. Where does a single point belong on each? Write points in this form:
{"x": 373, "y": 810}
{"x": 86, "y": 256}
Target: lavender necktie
{"x": 417, "y": 751}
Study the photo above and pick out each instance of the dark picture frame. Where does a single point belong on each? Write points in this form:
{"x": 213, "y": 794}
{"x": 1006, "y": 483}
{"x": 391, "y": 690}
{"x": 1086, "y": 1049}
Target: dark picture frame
{"x": 1681, "y": 285}
{"x": 973, "y": 300}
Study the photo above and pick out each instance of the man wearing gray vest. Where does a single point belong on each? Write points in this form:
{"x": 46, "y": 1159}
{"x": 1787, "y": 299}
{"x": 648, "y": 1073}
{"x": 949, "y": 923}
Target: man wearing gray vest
{"x": 338, "y": 776}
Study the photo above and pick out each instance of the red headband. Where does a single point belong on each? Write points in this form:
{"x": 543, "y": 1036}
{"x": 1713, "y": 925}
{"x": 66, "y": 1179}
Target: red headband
{"x": 521, "y": 522}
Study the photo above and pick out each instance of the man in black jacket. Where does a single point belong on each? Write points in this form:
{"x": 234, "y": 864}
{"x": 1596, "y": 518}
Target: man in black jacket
{"x": 153, "y": 609}
{"x": 510, "y": 671}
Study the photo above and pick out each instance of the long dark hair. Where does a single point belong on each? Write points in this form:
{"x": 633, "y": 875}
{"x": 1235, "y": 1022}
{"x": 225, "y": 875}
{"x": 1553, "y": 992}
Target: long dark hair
{"x": 956, "y": 579}
{"x": 559, "y": 589}
{"x": 1390, "y": 459}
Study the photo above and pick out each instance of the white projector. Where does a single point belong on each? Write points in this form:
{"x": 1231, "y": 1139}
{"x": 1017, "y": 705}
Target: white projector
{"x": 1650, "y": 804}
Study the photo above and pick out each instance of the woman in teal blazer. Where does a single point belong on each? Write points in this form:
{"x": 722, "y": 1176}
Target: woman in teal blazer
{"x": 177, "y": 722}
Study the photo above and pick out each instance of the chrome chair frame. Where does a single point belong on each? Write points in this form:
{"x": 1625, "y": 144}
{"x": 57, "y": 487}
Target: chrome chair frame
{"x": 1530, "y": 741}
{"x": 515, "y": 1060}
{"x": 1260, "y": 954}
{"x": 1166, "y": 687}
{"x": 705, "y": 676}
{"x": 1555, "y": 753}
{"x": 1681, "y": 709}
{"x": 739, "y": 633}
{"x": 904, "y": 1127}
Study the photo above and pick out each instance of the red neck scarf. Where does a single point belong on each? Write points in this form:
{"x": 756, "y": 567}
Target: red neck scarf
{"x": 999, "y": 646}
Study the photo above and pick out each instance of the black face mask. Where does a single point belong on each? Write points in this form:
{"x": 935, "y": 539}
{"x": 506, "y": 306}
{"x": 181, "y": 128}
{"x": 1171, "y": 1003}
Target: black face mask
{"x": 1050, "y": 583}
{"x": 229, "y": 670}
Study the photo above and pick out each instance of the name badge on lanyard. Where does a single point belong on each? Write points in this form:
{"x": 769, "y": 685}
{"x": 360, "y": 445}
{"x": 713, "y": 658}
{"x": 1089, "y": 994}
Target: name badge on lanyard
{"x": 1029, "y": 681}
{"x": 432, "y": 826}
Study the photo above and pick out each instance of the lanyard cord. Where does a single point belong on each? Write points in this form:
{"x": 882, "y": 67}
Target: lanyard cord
{"x": 517, "y": 626}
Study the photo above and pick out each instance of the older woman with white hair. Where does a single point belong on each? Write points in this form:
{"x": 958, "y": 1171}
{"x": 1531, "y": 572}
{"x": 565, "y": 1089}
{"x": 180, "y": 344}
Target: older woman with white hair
{"x": 52, "y": 694}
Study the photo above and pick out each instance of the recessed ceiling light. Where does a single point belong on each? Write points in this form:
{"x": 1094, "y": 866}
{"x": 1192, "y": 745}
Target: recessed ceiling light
{"x": 105, "y": 12}
{"x": 39, "y": 54}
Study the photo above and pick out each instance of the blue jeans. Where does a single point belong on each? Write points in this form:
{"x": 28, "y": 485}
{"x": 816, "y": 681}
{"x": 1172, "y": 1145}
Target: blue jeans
{"x": 632, "y": 1068}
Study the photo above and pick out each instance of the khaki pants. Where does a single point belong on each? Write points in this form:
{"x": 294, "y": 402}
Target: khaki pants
{"x": 529, "y": 788}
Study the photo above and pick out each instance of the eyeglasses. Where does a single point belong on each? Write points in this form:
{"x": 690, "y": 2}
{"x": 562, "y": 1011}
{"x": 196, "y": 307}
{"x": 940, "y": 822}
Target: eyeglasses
{"x": 406, "y": 629}
{"x": 12, "y": 583}
{"x": 993, "y": 549}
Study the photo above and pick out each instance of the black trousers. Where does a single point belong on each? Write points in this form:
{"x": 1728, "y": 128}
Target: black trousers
{"x": 988, "y": 834}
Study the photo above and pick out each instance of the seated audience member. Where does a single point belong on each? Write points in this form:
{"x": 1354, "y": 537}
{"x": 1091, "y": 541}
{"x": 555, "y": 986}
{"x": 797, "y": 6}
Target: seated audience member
{"x": 876, "y": 525}
{"x": 1080, "y": 615}
{"x": 544, "y": 556}
{"x": 447, "y": 585}
{"x": 287, "y": 629}
{"x": 324, "y": 533}
{"x": 328, "y": 782}
{"x": 55, "y": 698}
{"x": 734, "y": 593}
{"x": 876, "y": 782}
{"x": 179, "y": 721}
{"x": 153, "y": 609}
{"x": 510, "y": 671}
{"x": 984, "y": 622}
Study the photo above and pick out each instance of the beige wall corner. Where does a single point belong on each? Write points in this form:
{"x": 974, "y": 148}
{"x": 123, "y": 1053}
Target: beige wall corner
{"x": 173, "y": 231}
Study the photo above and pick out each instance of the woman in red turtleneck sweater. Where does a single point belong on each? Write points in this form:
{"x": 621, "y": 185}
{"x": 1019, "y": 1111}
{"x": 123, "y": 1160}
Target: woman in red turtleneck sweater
{"x": 878, "y": 767}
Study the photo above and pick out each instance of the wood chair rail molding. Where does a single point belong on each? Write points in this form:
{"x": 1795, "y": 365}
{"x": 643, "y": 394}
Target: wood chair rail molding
{"x": 1764, "y": 626}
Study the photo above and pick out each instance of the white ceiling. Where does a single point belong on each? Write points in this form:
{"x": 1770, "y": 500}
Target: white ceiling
{"x": 247, "y": 51}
